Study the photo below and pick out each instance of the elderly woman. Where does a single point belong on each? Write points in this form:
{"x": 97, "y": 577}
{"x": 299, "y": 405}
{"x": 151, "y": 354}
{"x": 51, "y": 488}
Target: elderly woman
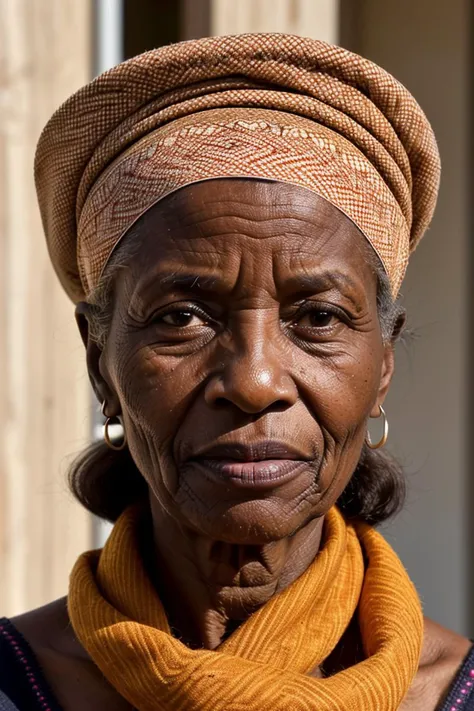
{"x": 233, "y": 218}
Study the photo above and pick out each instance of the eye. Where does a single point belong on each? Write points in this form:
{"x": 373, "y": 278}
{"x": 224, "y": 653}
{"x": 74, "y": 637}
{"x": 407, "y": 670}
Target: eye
{"x": 180, "y": 318}
{"x": 316, "y": 318}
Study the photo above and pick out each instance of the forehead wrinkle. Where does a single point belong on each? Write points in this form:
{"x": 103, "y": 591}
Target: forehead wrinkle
{"x": 298, "y": 256}
{"x": 218, "y": 226}
{"x": 249, "y": 227}
{"x": 318, "y": 280}
{"x": 271, "y": 196}
{"x": 303, "y": 212}
{"x": 252, "y": 192}
{"x": 222, "y": 191}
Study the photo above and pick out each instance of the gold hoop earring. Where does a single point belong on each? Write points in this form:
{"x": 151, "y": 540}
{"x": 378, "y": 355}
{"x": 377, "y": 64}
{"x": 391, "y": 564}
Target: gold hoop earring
{"x": 108, "y": 422}
{"x": 385, "y": 431}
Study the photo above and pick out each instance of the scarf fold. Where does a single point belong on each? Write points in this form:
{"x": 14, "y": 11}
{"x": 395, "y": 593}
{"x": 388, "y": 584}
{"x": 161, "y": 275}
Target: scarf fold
{"x": 264, "y": 665}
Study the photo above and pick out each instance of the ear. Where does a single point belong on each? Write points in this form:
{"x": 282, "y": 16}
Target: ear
{"x": 100, "y": 381}
{"x": 388, "y": 368}
{"x": 388, "y": 363}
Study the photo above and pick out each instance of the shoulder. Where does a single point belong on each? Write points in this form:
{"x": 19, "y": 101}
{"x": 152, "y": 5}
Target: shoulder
{"x": 74, "y": 679}
{"x": 21, "y": 677}
{"x": 442, "y": 656}
{"x": 48, "y": 629}
{"x": 442, "y": 643}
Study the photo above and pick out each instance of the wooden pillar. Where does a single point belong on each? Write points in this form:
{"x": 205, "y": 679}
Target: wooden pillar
{"x": 45, "y": 53}
{"x": 311, "y": 18}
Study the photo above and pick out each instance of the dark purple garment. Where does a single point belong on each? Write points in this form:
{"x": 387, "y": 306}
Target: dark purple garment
{"x": 461, "y": 694}
{"x": 22, "y": 681}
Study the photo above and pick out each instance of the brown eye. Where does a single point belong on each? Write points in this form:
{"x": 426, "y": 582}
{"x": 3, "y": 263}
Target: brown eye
{"x": 316, "y": 319}
{"x": 181, "y": 319}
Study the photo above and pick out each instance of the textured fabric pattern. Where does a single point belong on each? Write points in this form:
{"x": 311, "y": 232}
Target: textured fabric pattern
{"x": 264, "y": 664}
{"x": 461, "y": 694}
{"x": 347, "y": 99}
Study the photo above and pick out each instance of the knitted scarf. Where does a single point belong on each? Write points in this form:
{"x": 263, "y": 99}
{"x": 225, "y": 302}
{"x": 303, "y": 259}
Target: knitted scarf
{"x": 265, "y": 664}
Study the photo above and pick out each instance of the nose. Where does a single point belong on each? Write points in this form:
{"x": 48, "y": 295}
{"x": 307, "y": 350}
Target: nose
{"x": 253, "y": 377}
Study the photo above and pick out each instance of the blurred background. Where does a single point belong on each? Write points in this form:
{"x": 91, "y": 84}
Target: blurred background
{"x": 48, "y": 49}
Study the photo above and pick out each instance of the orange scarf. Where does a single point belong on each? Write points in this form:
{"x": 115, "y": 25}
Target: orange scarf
{"x": 264, "y": 664}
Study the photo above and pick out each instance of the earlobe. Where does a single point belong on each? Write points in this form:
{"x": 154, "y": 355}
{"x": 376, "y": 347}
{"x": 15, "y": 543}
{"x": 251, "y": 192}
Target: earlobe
{"x": 94, "y": 354}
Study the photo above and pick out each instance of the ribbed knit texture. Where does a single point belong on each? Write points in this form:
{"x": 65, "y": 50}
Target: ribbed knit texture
{"x": 342, "y": 126}
{"x": 264, "y": 665}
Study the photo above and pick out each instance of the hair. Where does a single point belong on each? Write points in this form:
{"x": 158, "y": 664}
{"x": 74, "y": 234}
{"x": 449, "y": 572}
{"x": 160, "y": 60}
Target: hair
{"x": 106, "y": 481}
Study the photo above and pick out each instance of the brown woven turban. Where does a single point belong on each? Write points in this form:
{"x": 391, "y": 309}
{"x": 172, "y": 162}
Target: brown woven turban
{"x": 269, "y": 106}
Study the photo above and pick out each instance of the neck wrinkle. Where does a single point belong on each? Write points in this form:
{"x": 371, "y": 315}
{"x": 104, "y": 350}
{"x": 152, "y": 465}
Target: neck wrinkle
{"x": 208, "y": 588}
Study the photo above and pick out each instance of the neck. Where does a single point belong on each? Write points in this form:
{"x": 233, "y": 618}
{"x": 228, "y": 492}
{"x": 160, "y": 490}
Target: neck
{"x": 208, "y": 587}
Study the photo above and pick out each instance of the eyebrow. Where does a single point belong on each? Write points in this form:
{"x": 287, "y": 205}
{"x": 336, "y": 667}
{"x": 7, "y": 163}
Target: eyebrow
{"x": 297, "y": 284}
{"x": 180, "y": 281}
{"x": 188, "y": 282}
{"x": 322, "y": 281}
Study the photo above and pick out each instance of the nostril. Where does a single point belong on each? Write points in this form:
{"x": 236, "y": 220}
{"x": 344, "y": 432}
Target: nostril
{"x": 221, "y": 402}
{"x": 279, "y": 406}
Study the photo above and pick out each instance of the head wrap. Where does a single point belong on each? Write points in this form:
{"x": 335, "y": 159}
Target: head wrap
{"x": 269, "y": 106}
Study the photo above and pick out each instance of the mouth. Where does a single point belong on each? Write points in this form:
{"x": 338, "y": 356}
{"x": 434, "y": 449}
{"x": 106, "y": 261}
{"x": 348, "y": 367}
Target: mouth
{"x": 257, "y": 475}
{"x": 258, "y": 466}
{"x": 251, "y": 452}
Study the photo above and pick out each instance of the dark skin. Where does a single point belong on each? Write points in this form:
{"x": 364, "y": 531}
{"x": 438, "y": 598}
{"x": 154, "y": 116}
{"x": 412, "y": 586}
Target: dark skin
{"x": 247, "y": 316}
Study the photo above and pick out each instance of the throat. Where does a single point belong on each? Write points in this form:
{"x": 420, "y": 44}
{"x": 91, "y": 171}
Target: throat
{"x": 209, "y": 588}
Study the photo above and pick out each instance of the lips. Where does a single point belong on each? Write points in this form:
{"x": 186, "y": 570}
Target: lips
{"x": 265, "y": 474}
{"x": 252, "y": 452}
{"x": 260, "y": 465}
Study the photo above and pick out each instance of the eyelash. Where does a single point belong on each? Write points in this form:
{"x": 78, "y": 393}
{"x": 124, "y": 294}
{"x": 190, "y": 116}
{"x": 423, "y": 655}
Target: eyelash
{"x": 311, "y": 307}
{"x": 305, "y": 309}
{"x": 182, "y": 308}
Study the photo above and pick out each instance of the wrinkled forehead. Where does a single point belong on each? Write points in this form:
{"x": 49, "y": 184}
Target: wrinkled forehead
{"x": 226, "y": 230}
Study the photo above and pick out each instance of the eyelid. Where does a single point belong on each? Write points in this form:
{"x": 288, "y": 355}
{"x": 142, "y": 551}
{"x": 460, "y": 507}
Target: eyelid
{"x": 181, "y": 306}
{"x": 309, "y": 306}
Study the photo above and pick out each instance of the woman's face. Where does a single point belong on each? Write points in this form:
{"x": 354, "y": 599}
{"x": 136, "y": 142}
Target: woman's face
{"x": 245, "y": 329}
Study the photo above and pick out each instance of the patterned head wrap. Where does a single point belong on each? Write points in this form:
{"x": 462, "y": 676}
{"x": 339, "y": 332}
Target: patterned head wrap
{"x": 269, "y": 106}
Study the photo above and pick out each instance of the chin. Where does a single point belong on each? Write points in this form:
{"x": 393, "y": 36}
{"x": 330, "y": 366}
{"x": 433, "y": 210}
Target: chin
{"x": 255, "y": 522}
{"x": 247, "y": 512}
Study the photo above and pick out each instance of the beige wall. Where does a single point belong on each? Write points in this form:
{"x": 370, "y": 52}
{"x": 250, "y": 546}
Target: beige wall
{"x": 44, "y": 394}
{"x": 426, "y": 45}
{"x": 314, "y": 18}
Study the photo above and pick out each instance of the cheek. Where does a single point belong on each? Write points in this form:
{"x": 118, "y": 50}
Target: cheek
{"x": 155, "y": 394}
{"x": 341, "y": 395}
{"x": 345, "y": 392}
